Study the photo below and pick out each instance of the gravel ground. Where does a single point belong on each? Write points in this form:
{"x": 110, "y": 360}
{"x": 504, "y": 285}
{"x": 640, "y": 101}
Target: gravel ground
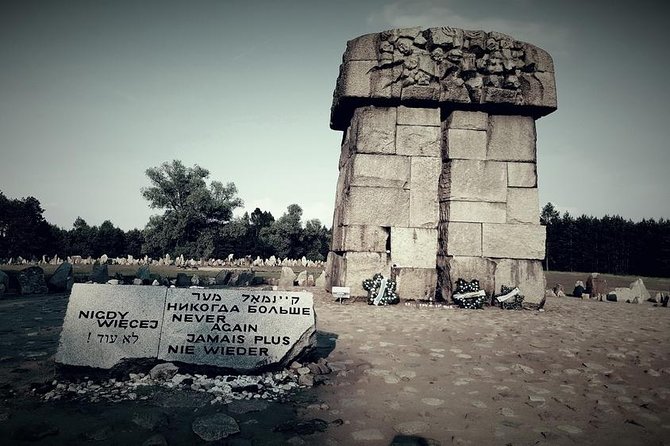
{"x": 581, "y": 372}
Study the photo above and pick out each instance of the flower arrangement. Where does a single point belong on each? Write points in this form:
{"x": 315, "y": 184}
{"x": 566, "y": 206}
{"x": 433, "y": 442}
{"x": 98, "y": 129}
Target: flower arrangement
{"x": 509, "y": 298}
{"x": 381, "y": 291}
{"x": 469, "y": 295}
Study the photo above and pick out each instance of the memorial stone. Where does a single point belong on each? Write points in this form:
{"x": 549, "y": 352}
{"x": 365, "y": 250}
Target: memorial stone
{"x": 244, "y": 278}
{"x": 183, "y": 280}
{"x": 99, "y": 273}
{"x": 143, "y": 273}
{"x": 223, "y": 277}
{"x": 302, "y": 278}
{"x": 245, "y": 331}
{"x": 639, "y": 290}
{"x": 62, "y": 279}
{"x": 31, "y": 281}
{"x": 4, "y": 282}
{"x": 321, "y": 280}
{"x": 287, "y": 277}
{"x": 242, "y": 330}
{"x": 104, "y": 325}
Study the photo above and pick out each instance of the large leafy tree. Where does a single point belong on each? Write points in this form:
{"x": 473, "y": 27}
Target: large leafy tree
{"x": 81, "y": 238}
{"x": 258, "y": 221}
{"x": 109, "y": 240}
{"x": 284, "y": 235}
{"x": 193, "y": 211}
{"x": 315, "y": 240}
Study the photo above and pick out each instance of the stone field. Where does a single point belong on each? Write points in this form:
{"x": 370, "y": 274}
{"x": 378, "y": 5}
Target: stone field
{"x": 581, "y": 372}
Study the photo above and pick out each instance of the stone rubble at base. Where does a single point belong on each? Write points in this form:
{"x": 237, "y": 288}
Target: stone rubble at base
{"x": 438, "y": 177}
{"x": 222, "y": 389}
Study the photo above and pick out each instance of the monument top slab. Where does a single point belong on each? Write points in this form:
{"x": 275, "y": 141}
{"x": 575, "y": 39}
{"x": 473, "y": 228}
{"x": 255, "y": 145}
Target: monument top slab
{"x": 468, "y": 70}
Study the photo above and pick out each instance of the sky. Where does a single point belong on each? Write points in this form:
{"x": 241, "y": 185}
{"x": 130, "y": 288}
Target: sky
{"x": 92, "y": 93}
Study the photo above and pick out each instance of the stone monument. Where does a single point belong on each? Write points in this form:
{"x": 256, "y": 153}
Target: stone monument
{"x": 438, "y": 174}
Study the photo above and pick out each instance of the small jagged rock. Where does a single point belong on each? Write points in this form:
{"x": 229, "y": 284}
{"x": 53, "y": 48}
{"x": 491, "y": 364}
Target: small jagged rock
{"x": 215, "y": 427}
{"x": 163, "y": 371}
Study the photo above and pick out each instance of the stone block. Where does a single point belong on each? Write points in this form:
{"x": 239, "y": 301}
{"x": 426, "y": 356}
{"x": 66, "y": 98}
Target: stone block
{"x": 340, "y": 195}
{"x": 420, "y": 93}
{"x": 105, "y": 324}
{"x": 416, "y": 140}
{"x": 206, "y": 326}
{"x": 413, "y": 247}
{"x": 466, "y": 268}
{"x": 495, "y": 95}
{"x": 521, "y": 175}
{"x": 538, "y": 58}
{"x": 361, "y": 238}
{"x": 463, "y": 239}
{"x": 354, "y": 78}
{"x": 419, "y": 116}
{"x": 373, "y": 130}
{"x": 511, "y": 138}
{"x": 346, "y": 148}
{"x": 465, "y": 144}
{"x": 474, "y": 180}
{"x": 468, "y": 120}
{"x": 334, "y": 270}
{"x": 376, "y": 206}
{"x": 376, "y": 170}
{"x": 352, "y": 268}
{"x": 525, "y": 274}
{"x": 538, "y": 89}
{"x": 425, "y": 174}
{"x": 416, "y": 283}
{"x": 424, "y": 209}
{"x": 474, "y": 212}
{"x": 523, "y": 205}
{"x": 548, "y": 95}
{"x": 362, "y": 48}
{"x": 513, "y": 241}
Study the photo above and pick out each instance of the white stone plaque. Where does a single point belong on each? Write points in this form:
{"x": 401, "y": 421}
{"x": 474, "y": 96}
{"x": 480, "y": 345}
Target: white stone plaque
{"x": 106, "y": 323}
{"x": 240, "y": 329}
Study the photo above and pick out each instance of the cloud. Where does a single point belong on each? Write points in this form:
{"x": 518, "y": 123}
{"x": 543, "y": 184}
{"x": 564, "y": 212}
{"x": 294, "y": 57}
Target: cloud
{"x": 433, "y": 13}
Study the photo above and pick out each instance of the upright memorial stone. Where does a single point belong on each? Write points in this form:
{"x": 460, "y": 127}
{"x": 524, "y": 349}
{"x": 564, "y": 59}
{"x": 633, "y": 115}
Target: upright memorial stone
{"x": 437, "y": 166}
{"x": 105, "y": 324}
{"x": 244, "y": 330}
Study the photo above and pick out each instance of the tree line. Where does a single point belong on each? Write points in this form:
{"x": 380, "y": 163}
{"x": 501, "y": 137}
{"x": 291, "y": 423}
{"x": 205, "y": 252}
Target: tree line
{"x": 610, "y": 244}
{"x": 196, "y": 221}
